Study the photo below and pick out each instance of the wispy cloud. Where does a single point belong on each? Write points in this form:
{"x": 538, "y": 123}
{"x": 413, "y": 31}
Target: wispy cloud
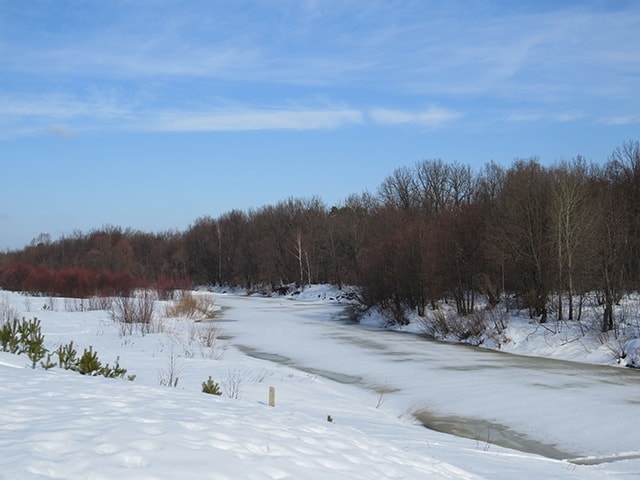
{"x": 431, "y": 117}
{"x": 66, "y": 115}
{"x": 256, "y": 120}
{"x": 61, "y": 106}
{"x": 568, "y": 116}
{"x": 628, "y": 119}
{"x": 536, "y": 56}
{"x": 60, "y": 114}
{"x": 523, "y": 116}
{"x": 547, "y": 56}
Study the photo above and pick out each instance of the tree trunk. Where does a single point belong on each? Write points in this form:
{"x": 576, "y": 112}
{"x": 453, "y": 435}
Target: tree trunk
{"x": 607, "y": 317}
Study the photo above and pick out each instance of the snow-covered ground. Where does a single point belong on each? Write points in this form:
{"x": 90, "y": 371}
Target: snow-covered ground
{"x": 346, "y": 397}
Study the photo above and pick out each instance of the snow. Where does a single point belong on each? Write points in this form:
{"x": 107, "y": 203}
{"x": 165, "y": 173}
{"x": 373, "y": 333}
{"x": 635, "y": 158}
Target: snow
{"x": 369, "y": 383}
{"x": 632, "y": 353}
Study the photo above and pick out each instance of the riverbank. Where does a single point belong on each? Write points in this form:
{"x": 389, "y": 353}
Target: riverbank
{"x": 515, "y": 332}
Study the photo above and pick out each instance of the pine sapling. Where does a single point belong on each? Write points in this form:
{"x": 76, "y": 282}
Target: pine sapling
{"x": 116, "y": 372}
{"x": 89, "y": 363}
{"x": 6, "y": 334}
{"x": 32, "y": 341}
{"x": 36, "y": 350}
{"x": 67, "y": 356}
{"x": 48, "y": 363}
{"x": 10, "y": 336}
{"x": 211, "y": 387}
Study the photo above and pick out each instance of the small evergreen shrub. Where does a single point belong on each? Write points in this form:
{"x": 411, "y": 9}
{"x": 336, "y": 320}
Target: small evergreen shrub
{"x": 113, "y": 372}
{"x": 211, "y": 387}
{"x": 33, "y": 341}
{"x": 48, "y": 363}
{"x": 89, "y": 363}
{"x": 67, "y": 356}
{"x": 9, "y": 336}
{"x": 23, "y": 337}
{"x": 26, "y": 337}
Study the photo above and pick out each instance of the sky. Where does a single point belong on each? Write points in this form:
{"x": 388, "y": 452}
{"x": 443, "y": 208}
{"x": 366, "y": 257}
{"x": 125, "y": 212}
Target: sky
{"x": 151, "y": 114}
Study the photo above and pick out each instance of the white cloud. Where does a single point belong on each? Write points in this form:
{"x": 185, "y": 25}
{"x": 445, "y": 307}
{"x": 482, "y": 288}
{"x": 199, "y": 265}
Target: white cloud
{"x": 60, "y": 106}
{"x": 543, "y": 116}
{"x": 524, "y": 117}
{"x": 256, "y": 120}
{"x": 431, "y": 117}
{"x": 568, "y": 116}
{"x": 543, "y": 53}
{"x": 621, "y": 119}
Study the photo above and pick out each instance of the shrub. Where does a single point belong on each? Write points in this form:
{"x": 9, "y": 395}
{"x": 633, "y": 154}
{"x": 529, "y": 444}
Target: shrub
{"x": 166, "y": 286}
{"x": 207, "y": 334}
{"x": 169, "y": 377}
{"x": 135, "y": 312}
{"x": 14, "y": 277}
{"x": 211, "y": 387}
{"x": 98, "y": 302}
{"x": 7, "y": 310}
{"x": 232, "y": 384}
{"x": 470, "y": 328}
{"x": 75, "y": 282}
{"x": 67, "y": 282}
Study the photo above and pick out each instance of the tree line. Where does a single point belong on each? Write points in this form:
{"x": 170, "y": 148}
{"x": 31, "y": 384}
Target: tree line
{"x": 545, "y": 235}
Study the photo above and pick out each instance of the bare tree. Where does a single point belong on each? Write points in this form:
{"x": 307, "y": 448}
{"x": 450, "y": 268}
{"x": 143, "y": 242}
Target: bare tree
{"x": 611, "y": 251}
{"x": 348, "y": 229}
{"x": 399, "y": 189}
{"x": 522, "y": 225}
{"x": 624, "y": 171}
{"x": 434, "y": 182}
{"x": 573, "y": 224}
{"x": 462, "y": 185}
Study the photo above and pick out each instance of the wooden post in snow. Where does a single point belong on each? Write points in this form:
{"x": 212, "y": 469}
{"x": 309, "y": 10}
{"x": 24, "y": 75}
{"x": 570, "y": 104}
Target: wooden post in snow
{"x": 272, "y": 396}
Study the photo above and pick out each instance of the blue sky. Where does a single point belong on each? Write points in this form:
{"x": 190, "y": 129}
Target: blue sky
{"x": 150, "y": 114}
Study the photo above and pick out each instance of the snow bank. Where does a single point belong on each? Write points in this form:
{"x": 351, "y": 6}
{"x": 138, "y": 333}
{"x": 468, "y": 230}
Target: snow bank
{"x": 632, "y": 352}
{"x": 62, "y": 425}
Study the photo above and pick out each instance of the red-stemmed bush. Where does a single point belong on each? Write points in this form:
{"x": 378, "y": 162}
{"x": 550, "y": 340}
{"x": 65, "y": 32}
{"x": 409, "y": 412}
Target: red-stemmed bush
{"x": 40, "y": 280}
{"x": 14, "y": 277}
{"x": 165, "y": 286}
{"x": 68, "y": 282}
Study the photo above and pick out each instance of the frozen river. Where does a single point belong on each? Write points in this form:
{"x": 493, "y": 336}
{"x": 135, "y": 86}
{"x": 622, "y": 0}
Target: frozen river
{"x": 555, "y": 408}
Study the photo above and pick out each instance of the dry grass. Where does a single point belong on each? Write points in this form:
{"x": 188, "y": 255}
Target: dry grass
{"x": 190, "y": 306}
